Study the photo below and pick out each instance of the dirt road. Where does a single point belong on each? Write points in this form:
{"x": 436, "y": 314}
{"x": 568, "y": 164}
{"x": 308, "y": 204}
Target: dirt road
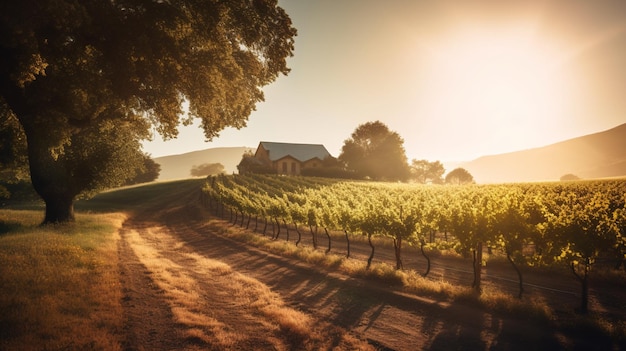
{"x": 186, "y": 287}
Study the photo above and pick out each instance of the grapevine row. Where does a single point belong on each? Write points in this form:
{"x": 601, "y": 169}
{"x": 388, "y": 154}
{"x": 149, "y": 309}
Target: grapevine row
{"x": 532, "y": 224}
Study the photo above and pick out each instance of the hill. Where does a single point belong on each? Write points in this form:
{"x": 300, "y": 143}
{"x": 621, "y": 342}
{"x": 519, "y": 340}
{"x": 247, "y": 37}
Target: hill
{"x": 598, "y": 155}
{"x": 179, "y": 166}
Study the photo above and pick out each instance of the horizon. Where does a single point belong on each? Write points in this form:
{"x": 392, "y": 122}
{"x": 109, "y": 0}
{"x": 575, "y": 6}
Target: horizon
{"x": 457, "y": 81}
{"x": 408, "y": 159}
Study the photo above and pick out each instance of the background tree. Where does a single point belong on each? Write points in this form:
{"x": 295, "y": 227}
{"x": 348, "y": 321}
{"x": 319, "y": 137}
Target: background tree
{"x": 251, "y": 164}
{"x": 207, "y": 169}
{"x": 376, "y": 152}
{"x": 88, "y": 80}
{"x": 459, "y": 176}
{"x": 147, "y": 173}
{"x": 569, "y": 177}
{"x": 424, "y": 172}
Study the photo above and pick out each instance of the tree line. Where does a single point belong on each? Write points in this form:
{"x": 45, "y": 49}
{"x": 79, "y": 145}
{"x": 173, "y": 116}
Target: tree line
{"x": 375, "y": 152}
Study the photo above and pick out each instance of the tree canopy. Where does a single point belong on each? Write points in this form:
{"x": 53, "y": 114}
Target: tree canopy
{"x": 206, "y": 169}
{"x": 569, "y": 177}
{"x": 87, "y": 81}
{"x": 375, "y": 151}
{"x": 459, "y": 176}
{"x": 148, "y": 172}
{"x": 423, "y": 171}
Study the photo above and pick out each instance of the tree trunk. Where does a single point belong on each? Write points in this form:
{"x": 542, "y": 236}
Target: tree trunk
{"x": 59, "y": 209}
{"x": 286, "y": 228}
{"x": 328, "y": 235}
{"x": 422, "y": 243}
{"x": 519, "y": 274}
{"x": 369, "y": 260}
{"x": 51, "y": 180}
{"x": 397, "y": 246}
{"x": 278, "y": 228}
{"x": 584, "y": 284}
{"x": 295, "y": 225}
{"x": 314, "y": 236}
{"x": 618, "y": 264}
{"x": 478, "y": 262}
{"x": 348, "y": 244}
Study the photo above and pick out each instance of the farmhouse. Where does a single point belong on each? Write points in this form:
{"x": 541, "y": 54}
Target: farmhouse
{"x": 288, "y": 158}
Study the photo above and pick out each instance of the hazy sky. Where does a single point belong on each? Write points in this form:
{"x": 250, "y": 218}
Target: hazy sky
{"x": 457, "y": 79}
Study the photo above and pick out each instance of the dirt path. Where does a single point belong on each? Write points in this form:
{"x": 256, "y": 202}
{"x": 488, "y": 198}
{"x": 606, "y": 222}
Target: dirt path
{"x": 187, "y": 287}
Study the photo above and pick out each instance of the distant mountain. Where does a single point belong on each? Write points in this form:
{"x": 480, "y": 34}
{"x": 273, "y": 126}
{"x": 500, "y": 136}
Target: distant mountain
{"x": 598, "y": 155}
{"x": 179, "y": 166}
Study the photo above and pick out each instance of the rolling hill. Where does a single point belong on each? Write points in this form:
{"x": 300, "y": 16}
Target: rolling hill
{"x": 598, "y": 155}
{"x": 179, "y": 166}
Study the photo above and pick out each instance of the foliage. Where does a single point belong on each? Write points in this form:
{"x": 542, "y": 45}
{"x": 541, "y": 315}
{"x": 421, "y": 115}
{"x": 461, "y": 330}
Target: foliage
{"x": 424, "y": 172}
{"x": 207, "y": 169}
{"x": 569, "y": 177}
{"x": 459, "y": 176}
{"x": 251, "y": 164}
{"x": 85, "y": 92}
{"x": 148, "y": 173}
{"x": 532, "y": 224}
{"x": 13, "y": 160}
{"x": 376, "y": 152}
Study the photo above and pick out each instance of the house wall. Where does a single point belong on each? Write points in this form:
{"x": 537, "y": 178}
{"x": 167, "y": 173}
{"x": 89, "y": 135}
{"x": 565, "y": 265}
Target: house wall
{"x": 287, "y": 165}
{"x": 312, "y": 163}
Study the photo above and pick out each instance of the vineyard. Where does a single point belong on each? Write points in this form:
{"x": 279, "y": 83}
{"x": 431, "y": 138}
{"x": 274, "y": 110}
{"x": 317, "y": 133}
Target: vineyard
{"x": 577, "y": 224}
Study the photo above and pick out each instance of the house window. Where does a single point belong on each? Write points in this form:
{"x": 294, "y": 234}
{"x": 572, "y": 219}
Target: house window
{"x": 293, "y": 167}
{"x": 284, "y": 167}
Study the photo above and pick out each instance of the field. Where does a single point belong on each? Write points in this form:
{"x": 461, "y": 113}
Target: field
{"x": 158, "y": 268}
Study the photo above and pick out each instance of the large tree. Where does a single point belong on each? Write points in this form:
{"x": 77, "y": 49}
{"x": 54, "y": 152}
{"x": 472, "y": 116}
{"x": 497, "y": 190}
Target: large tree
{"x": 423, "y": 171}
{"x": 375, "y": 151}
{"x": 88, "y": 80}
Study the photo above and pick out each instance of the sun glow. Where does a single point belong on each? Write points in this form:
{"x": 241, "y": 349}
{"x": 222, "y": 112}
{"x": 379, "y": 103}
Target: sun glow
{"x": 508, "y": 82}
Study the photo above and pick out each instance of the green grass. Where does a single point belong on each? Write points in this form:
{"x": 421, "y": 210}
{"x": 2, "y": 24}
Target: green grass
{"x": 132, "y": 197}
{"x": 60, "y": 286}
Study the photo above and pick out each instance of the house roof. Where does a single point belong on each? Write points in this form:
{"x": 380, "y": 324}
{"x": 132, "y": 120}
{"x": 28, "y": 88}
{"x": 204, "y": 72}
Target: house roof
{"x": 301, "y": 152}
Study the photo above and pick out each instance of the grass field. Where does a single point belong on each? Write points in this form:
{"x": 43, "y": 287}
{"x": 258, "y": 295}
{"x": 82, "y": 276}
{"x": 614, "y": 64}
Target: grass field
{"x": 60, "y": 286}
{"x": 60, "y": 283}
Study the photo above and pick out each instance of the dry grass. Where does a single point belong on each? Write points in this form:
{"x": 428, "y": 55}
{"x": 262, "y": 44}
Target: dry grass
{"x": 261, "y": 314}
{"x": 410, "y": 281}
{"x": 60, "y": 286}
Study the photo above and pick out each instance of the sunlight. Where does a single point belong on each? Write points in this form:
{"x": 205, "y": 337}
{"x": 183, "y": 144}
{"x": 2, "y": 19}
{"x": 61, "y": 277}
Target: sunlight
{"x": 505, "y": 81}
